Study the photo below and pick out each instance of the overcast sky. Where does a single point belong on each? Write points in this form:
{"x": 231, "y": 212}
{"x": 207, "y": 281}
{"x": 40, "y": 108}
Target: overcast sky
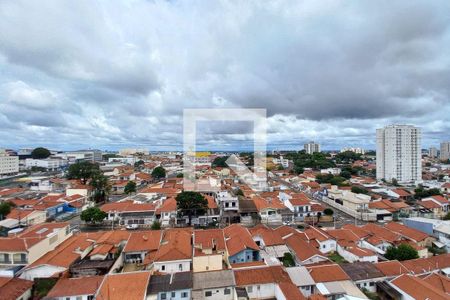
{"x": 114, "y": 74}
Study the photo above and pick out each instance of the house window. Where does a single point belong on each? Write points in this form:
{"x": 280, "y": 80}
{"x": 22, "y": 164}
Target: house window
{"x": 173, "y": 294}
{"x": 163, "y": 296}
{"x": 208, "y": 294}
{"x": 163, "y": 268}
{"x": 258, "y": 287}
{"x": 79, "y": 298}
{"x": 184, "y": 295}
{"x": 372, "y": 283}
{"x": 250, "y": 289}
{"x": 226, "y": 291}
{"x": 323, "y": 246}
{"x": 180, "y": 267}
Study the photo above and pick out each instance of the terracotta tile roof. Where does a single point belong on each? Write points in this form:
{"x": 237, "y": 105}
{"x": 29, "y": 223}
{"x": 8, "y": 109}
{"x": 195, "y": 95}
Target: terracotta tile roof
{"x": 439, "y": 282}
{"x": 168, "y": 205}
{"x": 42, "y": 230}
{"x": 211, "y": 203}
{"x": 67, "y": 287}
{"x": 209, "y": 239}
{"x": 317, "y": 297}
{"x": 361, "y": 233}
{"x": 102, "y": 249}
{"x": 262, "y": 203}
{"x": 238, "y": 238}
{"x": 274, "y": 274}
{"x": 418, "y": 288}
{"x": 425, "y": 265}
{"x": 299, "y": 199}
{"x": 327, "y": 273}
{"x": 302, "y": 249}
{"x": 130, "y": 286}
{"x": 24, "y": 202}
{"x": 314, "y": 233}
{"x": 284, "y": 231}
{"x": 17, "y": 213}
{"x": 380, "y": 233}
{"x": 270, "y": 237}
{"x": 148, "y": 240}
{"x": 169, "y": 192}
{"x": 290, "y": 291}
{"x": 360, "y": 252}
{"x": 391, "y": 268}
{"x": 7, "y": 192}
{"x": 439, "y": 198}
{"x": 401, "y": 192}
{"x": 175, "y": 245}
{"x": 344, "y": 237}
{"x": 13, "y": 288}
{"x": 248, "y": 264}
{"x": 429, "y": 204}
{"x": 65, "y": 254}
{"x": 128, "y": 206}
{"x": 406, "y": 231}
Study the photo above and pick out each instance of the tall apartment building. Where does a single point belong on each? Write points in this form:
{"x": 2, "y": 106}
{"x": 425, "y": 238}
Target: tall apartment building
{"x": 356, "y": 150}
{"x": 8, "y": 164}
{"x": 399, "y": 153}
{"x": 311, "y": 147}
{"x": 433, "y": 152}
{"x": 445, "y": 151}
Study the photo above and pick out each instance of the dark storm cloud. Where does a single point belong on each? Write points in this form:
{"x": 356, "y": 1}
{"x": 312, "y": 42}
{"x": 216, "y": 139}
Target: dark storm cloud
{"x": 122, "y": 73}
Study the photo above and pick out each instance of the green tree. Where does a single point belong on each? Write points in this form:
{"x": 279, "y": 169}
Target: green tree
{"x": 130, "y": 187}
{"x": 159, "y": 172}
{"x": 447, "y": 217}
{"x": 346, "y": 174}
{"x": 395, "y": 182}
{"x": 101, "y": 186}
{"x": 420, "y": 192}
{"x": 83, "y": 170}
{"x": 180, "y": 175}
{"x": 288, "y": 260}
{"x": 328, "y": 211}
{"x": 359, "y": 190}
{"x": 139, "y": 164}
{"x": 5, "y": 209}
{"x": 402, "y": 252}
{"x": 93, "y": 215}
{"x": 191, "y": 204}
{"x": 220, "y": 162}
{"x": 239, "y": 192}
{"x": 156, "y": 225}
{"x": 40, "y": 153}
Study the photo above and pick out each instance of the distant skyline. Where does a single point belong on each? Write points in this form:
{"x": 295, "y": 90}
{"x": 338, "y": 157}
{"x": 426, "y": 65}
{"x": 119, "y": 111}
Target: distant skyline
{"x": 113, "y": 75}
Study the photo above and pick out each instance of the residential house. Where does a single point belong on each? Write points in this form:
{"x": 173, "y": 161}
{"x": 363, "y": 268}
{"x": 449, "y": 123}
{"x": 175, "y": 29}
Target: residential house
{"x": 12, "y": 288}
{"x": 332, "y": 282}
{"x": 261, "y": 282}
{"x": 129, "y": 286}
{"x": 142, "y": 247}
{"x": 364, "y": 275}
{"x": 83, "y": 288}
{"x": 272, "y": 246}
{"x": 229, "y": 206}
{"x": 240, "y": 245}
{"x": 209, "y": 250}
{"x": 129, "y": 212}
{"x": 303, "y": 281}
{"x": 349, "y": 246}
{"x": 27, "y": 216}
{"x": 410, "y": 287}
{"x": 214, "y": 285}
{"x": 28, "y": 246}
{"x": 167, "y": 212}
{"x": 323, "y": 241}
{"x": 416, "y": 236}
{"x": 305, "y": 252}
{"x": 270, "y": 210}
{"x": 175, "y": 252}
{"x": 176, "y": 286}
{"x": 441, "y": 204}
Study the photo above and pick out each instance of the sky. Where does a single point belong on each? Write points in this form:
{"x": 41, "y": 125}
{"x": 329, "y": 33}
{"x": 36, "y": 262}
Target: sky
{"x": 118, "y": 74}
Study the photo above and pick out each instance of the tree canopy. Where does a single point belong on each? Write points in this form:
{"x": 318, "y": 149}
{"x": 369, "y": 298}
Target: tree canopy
{"x": 191, "y": 204}
{"x": 331, "y": 179}
{"x": 288, "y": 260}
{"x": 303, "y": 160}
{"x": 328, "y": 211}
{"x": 159, "y": 172}
{"x": 93, "y": 215}
{"x": 83, "y": 170}
{"x": 420, "y": 192}
{"x": 347, "y": 156}
{"x": 220, "y": 162}
{"x": 402, "y": 252}
{"x": 359, "y": 190}
{"x": 101, "y": 186}
{"x": 5, "y": 209}
{"x": 40, "y": 153}
{"x": 130, "y": 187}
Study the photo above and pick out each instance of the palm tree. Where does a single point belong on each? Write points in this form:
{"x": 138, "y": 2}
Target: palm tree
{"x": 101, "y": 186}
